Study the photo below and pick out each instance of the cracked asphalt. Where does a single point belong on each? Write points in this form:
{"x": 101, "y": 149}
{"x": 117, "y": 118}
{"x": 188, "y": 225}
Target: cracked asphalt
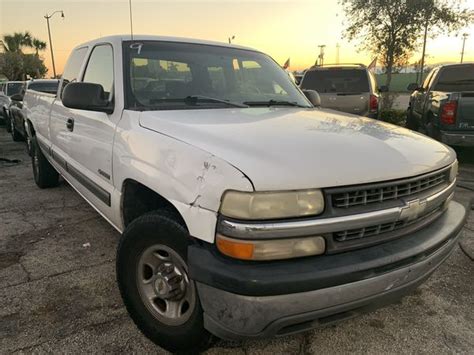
{"x": 58, "y": 292}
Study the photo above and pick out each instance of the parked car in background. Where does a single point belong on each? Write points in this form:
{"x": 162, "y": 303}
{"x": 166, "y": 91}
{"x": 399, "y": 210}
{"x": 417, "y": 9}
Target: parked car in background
{"x": 17, "y": 111}
{"x": 8, "y": 89}
{"x": 245, "y": 211}
{"x": 350, "y": 88}
{"x": 443, "y": 107}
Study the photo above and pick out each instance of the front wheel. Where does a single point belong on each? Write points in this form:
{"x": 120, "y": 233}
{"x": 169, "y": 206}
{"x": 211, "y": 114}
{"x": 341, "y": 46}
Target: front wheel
{"x": 411, "y": 122}
{"x": 15, "y": 135}
{"x": 152, "y": 275}
{"x": 8, "y": 126}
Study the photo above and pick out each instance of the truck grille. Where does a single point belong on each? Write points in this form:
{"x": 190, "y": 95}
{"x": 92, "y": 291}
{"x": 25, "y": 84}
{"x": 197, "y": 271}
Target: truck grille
{"x": 369, "y": 194}
{"x": 381, "y": 228}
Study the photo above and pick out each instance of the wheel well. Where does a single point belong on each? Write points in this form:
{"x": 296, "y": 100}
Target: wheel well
{"x": 137, "y": 199}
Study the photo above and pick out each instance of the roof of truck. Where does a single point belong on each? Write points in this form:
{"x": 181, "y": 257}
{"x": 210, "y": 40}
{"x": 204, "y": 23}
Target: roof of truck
{"x": 139, "y": 37}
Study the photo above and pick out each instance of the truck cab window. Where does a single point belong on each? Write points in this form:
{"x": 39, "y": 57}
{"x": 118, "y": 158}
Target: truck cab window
{"x": 100, "y": 69}
{"x": 73, "y": 66}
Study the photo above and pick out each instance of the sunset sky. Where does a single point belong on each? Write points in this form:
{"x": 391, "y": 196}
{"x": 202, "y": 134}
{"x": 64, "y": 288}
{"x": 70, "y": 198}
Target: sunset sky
{"x": 281, "y": 28}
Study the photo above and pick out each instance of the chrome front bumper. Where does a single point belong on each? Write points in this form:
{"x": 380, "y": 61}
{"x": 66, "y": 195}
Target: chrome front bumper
{"x": 231, "y": 315}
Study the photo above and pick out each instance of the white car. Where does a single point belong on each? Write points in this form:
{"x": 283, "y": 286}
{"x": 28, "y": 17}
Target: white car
{"x": 245, "y": 211}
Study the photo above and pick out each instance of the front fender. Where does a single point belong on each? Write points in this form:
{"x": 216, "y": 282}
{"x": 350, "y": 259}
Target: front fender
{"x": 191, "y": 179}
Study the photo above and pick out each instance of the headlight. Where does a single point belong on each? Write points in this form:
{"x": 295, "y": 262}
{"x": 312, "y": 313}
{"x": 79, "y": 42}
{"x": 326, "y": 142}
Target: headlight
{"x": 272, "y": 205}
{"x": 454, "y": 171}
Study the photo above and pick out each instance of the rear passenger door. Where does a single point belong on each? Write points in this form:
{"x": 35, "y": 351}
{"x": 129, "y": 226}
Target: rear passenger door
{"x": 90, "y": 146}
{"x": 59, "y": 134}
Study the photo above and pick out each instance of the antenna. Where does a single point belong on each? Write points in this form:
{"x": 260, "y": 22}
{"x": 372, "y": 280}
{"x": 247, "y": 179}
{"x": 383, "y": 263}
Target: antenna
{"x": 131, "y": 23}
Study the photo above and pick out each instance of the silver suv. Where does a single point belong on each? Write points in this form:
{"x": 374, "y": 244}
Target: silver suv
{"x": 350, "y": 88}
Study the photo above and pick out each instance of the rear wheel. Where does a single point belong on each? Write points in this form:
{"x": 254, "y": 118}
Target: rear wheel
{"x": 152, "y": 275}
{"x": 44, "y": 173}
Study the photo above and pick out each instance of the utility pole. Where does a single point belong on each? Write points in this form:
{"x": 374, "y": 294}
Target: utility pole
{"x": 464, "y": 37}
{"x": 47, "y": 17}
{"x": 423, "y": 54}
{"x": 321, "y": 54}
{"x": 337, "y": 53}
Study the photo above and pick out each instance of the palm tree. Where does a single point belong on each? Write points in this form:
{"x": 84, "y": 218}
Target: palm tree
{"x": 38, "y": 45}
{"x": 17, "y": 41}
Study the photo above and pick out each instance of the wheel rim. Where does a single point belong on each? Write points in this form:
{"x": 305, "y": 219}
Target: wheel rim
{"x": 164, "y": 285}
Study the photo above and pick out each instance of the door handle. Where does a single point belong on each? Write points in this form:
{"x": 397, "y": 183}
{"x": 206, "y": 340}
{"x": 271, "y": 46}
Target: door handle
{"x": 70, "y": 124}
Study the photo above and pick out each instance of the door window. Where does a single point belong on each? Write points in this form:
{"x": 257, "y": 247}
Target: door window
{"x": 73, "y": 66}
{"x": 100, "y": 69}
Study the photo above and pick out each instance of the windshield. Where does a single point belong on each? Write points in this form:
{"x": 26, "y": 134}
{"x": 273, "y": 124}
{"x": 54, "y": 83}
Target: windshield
{"x": 344, "y": 81}
{"x": 170, "y": 75}
{"x": 456, "y": 78}
{"x": 14, "y": 88}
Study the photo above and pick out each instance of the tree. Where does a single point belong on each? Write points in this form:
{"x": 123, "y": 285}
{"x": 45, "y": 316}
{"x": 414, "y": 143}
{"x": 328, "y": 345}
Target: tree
{"x": 38, "y": 45}
{"x": 392, "y": 29}
{"x": 15, "y": 64}
{"x": 16, "y": 41}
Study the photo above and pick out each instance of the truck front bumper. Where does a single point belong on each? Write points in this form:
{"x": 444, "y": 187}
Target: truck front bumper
{"x": 459, "y": 138}
{"x": 257, "y": 299}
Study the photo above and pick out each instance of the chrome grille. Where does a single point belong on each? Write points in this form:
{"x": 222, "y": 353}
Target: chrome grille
{"x": 371, "y": 231}
{"x": 367, "y": 194}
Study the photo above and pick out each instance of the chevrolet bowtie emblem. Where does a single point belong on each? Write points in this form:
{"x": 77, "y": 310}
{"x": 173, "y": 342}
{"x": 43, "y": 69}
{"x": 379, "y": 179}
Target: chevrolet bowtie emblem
{"x": 413, "y": 209}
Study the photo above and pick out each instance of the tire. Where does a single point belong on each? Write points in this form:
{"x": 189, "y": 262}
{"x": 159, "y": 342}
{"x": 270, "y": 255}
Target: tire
{"x": 7, "y": 121}
{"x": 411, "y": 121}
{"x": 15, "y": 135}
{"x": 167, "y": 239}
{"x": 29, "y": 145}
{"x": 43, "y": 172}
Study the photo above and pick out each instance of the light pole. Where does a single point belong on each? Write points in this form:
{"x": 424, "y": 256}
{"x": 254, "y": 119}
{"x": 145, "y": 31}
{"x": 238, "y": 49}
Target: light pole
{"x": 47, "y": 17}
{"x": 464, "y": 37}
{"x": 423, "y": 54}
{"x": 231, "y": 38}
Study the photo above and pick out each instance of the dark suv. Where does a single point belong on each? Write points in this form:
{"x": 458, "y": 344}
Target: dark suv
{"x": 350, "y": 88}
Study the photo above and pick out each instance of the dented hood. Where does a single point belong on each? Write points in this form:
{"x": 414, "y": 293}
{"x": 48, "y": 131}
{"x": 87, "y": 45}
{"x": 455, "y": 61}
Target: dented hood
{"x": 294, "y": 148}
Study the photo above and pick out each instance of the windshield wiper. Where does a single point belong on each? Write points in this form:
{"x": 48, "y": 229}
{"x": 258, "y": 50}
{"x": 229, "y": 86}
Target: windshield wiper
{"x": 273, "y": 103}
{"x": 196, "y": 98}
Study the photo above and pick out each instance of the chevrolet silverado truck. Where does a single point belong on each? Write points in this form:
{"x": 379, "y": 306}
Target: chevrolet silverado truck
{"x": 245, "y": 211}
{"x": 443, "y": 107}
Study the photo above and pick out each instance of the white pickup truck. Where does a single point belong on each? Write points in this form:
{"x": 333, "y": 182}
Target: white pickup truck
{"x": 245, "y": 210}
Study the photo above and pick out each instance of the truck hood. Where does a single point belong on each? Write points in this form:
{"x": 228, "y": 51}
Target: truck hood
{"x": 295, "y": 148}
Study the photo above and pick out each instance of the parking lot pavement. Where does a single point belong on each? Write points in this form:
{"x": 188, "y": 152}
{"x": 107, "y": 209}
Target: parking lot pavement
{"x": 58, "y": 290}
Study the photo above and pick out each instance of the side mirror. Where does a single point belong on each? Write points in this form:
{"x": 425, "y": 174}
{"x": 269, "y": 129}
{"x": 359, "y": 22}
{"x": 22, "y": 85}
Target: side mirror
{"x": 86, "y": 96}
{"x": 17, "y": 97}
{"x": 413, "y": 87}
{"x": 313, "y": 97}
{"x": 383, "y": 88}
